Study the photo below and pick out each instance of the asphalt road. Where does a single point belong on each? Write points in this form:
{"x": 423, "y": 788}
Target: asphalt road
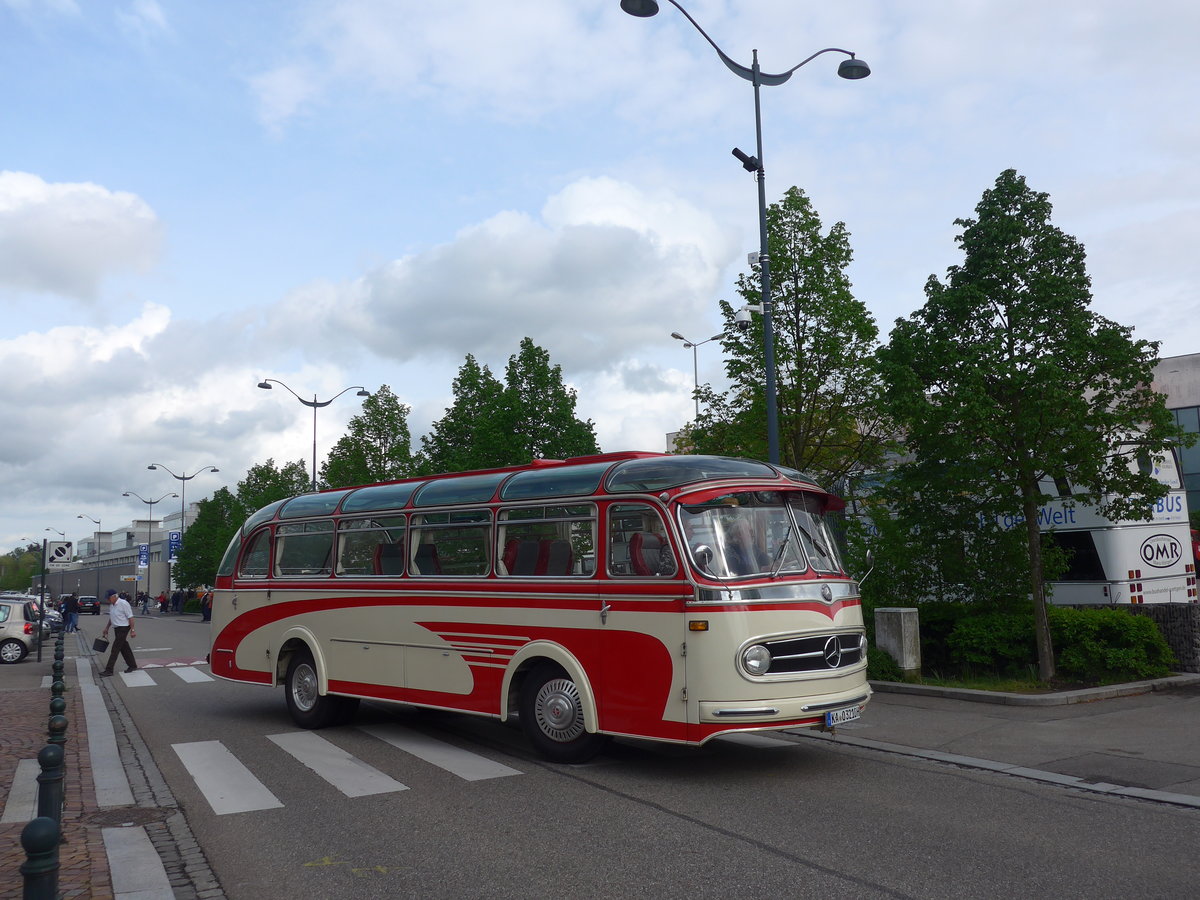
{"x": 790, "y": 817}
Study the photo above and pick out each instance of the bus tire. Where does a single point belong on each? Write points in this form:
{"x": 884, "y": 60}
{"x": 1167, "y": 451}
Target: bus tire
{"x": 552, "y": 716}
{"x": 307, "y": 706}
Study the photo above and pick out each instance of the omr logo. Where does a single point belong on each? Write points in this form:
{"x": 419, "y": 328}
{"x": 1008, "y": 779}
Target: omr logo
{"x": 1161, "y": 551}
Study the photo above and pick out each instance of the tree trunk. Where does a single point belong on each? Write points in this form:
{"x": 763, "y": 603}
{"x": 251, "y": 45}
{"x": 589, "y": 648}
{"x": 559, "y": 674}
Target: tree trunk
{"x": 1037, "y": 587}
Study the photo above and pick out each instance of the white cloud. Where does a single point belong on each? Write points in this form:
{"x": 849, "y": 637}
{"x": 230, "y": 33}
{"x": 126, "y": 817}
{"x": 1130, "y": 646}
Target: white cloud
{"x": 67, "y": 238}
{"x": 606, "y": 270}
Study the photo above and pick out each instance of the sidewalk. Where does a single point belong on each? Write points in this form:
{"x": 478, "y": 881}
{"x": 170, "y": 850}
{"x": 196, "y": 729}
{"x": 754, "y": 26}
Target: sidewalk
{"x": 1133, "y": 740}
{"x": 124, "y": 836}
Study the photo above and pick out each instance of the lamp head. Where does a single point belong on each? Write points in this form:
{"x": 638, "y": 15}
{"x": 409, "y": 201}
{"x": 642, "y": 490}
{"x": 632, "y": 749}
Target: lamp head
{"x": 264, "y": 385}
{"x": 678, "y": 336}
{"x": 643, "y": 9}
{"x": 853, "y": 69}
{"x": 363, "y": 393}
{"x": 153, "y": 466}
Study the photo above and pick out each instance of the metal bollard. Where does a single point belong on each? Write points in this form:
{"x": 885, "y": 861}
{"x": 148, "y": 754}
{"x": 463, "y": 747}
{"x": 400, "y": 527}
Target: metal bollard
{"x": 50, "y": 783}
{"x": 58, "y": 728}
{"x": 40, "y": 869}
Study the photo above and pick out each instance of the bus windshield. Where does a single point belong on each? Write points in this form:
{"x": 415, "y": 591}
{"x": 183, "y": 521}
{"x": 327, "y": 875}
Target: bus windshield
{"x": 758, "y": 533}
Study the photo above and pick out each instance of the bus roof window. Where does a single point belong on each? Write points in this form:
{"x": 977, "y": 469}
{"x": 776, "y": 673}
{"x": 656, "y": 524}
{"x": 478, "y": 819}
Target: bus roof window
{"x": 311, "y": 505}
{"x": 659, "y": 473}
{"x": 263, "y": 515}
{"x": 467, "y": 489}
{"x": 567, "y": 481}
{"x": 380, "y": 496}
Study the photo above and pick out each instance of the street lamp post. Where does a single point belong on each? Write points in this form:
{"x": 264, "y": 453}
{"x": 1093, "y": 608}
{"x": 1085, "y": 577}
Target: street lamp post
{"x": 183, "y": 480}
{"x": 695, "y": 362}
{"x": 266, "y": 383}
{"x": 99, "y": 528}
{"x": 851, "y": 68}
{"x": 149, "y": 527}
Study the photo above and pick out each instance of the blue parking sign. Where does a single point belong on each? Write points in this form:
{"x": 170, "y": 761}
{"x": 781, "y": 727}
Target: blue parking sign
{"x": 143, "y": 556}
{"x": 174, "y": 542}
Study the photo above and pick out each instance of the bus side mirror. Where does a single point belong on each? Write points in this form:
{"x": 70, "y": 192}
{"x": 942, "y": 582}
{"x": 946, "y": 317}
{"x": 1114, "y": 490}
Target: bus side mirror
{"x": 870, "y": 560}
{"x": 703, "y": 554}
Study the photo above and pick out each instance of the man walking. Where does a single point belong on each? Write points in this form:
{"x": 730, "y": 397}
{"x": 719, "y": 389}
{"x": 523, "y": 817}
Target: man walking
{"x": 70, "y": 611}
{"x": 120, "y": 618}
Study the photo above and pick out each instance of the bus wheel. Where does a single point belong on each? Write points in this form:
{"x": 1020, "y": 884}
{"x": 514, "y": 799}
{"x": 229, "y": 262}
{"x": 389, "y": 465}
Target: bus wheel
{"x": 552, "y": 717}
{"x": 309, "y": 709}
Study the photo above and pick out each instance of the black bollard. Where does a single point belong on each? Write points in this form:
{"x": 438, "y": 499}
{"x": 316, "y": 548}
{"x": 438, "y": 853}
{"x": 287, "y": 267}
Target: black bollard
{"x": 58, "y": 729}
{"x": 50, "y": 783}
{"x": 40, "y": 869}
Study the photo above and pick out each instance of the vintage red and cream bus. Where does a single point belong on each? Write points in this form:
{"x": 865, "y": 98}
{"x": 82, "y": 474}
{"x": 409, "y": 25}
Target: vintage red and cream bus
{"x": 660, "y": 597}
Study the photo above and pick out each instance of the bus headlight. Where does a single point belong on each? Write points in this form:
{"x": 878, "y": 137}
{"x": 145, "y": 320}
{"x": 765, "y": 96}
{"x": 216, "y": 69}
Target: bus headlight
{"x": 756, "y": 659}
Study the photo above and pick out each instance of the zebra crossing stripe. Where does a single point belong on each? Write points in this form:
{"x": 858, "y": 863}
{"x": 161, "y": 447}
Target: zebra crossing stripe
{"x": 191, "y": 674}
{"x": 347, "y": 773}
{"x": 463, "y": 763}
{"x": 226, "y": 784}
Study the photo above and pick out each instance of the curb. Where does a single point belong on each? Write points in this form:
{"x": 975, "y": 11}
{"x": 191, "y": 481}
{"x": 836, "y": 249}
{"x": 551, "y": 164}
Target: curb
{"x": 1057, "y": 698}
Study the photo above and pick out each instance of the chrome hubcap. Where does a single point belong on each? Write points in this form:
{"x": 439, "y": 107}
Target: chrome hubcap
{"x": 304, "y": 687}
{"x": 559, "y": 710}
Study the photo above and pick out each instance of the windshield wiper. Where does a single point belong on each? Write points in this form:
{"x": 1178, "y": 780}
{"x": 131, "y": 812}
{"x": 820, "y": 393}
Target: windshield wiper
{"x": 787, "y": 536}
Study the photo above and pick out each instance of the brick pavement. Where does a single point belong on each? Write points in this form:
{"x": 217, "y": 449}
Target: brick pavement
{"x": 24, "y": 714}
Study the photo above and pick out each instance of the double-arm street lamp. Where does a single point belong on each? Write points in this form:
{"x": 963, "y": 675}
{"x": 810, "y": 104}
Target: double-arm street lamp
{"x": 851, "y": 68}
{"x": 695, "y": 362}
{"x": 183, "y": 480}
{"x": 98, "y": 530}
{"x": 316, "y": 404}
{"x": 149, "y": 525}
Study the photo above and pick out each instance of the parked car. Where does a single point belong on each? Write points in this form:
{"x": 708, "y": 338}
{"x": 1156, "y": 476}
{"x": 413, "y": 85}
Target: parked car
{"x": 19, "y": 629}
{"x": 88, "y": 603}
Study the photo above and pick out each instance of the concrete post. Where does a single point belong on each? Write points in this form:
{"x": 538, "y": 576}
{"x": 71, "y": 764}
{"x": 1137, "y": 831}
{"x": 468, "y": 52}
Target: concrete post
{"x": 898, "y": 633}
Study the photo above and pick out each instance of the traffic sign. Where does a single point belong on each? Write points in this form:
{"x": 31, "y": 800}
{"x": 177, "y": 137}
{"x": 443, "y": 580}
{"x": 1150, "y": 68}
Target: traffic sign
{"x": 58, "y": 554}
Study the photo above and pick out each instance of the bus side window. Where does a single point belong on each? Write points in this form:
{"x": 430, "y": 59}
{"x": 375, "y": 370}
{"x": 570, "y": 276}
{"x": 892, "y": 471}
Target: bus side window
{"x": 304, "y": 548}
{"x": 456, "y": 543}
{"x": 546, "y": 541}
{"x": 257, "y": 560}
{"x": 638, "y": 545}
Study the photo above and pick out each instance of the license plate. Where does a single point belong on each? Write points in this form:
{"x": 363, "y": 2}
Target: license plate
{"x": 840, "y": 716}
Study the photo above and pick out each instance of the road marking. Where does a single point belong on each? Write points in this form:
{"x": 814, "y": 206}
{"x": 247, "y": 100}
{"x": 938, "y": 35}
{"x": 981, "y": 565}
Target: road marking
{"x": 463, "y": 763}
{"x": 347, "y": 773}
{"x": 191, "y": 674}
{"x": 226, "y": 784}
{"x": 138, "y": 678}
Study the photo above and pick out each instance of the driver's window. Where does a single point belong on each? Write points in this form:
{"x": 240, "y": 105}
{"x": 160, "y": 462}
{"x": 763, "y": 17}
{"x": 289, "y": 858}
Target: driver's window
{"x": 638, "y": 545}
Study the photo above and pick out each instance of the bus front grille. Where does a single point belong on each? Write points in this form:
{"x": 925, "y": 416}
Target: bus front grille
{"x": 816, "y": 653}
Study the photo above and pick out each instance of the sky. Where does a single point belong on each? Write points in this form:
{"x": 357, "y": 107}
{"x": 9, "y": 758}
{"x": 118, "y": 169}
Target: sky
{"x": 198, "y": 196}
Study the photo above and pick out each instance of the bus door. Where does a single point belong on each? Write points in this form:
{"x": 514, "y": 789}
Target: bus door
{"x": 643, "y": 628}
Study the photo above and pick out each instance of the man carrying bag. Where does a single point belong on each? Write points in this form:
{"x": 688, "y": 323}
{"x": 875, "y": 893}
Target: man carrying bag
{"x": 120, "y": 619}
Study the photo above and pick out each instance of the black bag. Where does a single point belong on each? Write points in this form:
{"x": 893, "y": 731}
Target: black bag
{"x": 100, "y": 645}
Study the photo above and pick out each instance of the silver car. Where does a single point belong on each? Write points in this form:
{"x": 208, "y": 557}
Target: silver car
{"x": 19, "y": 629}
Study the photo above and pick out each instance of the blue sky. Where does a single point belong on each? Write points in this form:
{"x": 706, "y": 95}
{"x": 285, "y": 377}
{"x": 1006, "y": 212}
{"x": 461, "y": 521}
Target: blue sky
{"x": 196, "y": 196}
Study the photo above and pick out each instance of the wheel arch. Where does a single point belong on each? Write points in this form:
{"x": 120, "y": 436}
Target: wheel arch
{"x": 529, "y": 658}
{"x": 292, "y": 640}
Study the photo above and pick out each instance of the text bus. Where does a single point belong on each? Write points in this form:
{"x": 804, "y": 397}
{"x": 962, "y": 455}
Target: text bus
{"x": 661, "y": 597}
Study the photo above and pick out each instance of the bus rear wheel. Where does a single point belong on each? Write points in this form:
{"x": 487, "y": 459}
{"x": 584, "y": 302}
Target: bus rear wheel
{"x": 307, "y": 706}
{"x": 552, "y": 716}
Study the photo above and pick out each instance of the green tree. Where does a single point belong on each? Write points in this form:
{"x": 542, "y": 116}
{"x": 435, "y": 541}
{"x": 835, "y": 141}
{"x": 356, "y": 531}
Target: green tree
{"x": 264, "y": 483}
{"x": 827, "y": 383}
{"x": 1006, "y": 376}
{"x": 539, "y": 410}
{"x": 376, "y": 447}
{"x": 530, "y": 416}
{"x": 470, "y": 435}
{"x": 217, "y": 519}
